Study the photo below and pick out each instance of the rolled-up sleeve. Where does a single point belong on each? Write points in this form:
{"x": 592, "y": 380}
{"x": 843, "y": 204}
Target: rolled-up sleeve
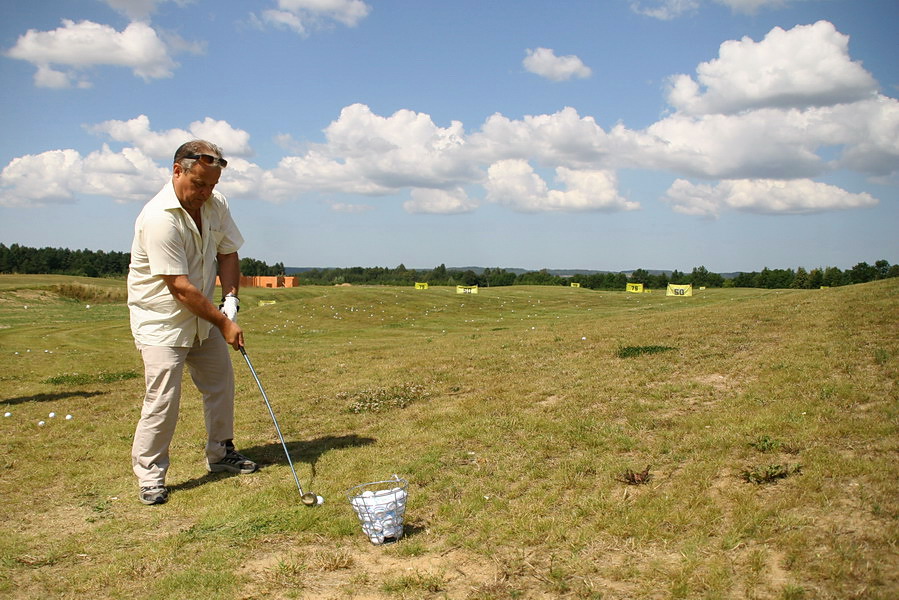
{"x": 163, "y": 240}
{"x": 228, "y": 237}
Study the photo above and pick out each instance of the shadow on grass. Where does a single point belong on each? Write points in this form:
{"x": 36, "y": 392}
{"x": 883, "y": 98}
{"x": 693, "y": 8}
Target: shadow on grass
{"x": 269, "y": 454}
{"x": 198, "y": 481}
{"x": 49, "y": 397}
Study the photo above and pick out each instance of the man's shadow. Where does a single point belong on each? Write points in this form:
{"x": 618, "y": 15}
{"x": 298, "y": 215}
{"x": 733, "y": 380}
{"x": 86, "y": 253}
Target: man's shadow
{"x": 269, "y": 454}
{"x": 51, "y": 397}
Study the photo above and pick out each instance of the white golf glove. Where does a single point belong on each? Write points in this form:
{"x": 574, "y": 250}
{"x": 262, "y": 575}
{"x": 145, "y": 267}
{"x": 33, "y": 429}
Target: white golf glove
{"x": 230, "y": 305}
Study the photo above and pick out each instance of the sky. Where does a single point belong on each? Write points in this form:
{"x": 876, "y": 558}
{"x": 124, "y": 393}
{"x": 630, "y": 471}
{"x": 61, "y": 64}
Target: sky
{"x": 584, "y": 134}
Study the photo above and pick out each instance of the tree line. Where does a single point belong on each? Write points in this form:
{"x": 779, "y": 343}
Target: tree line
{"x": 698, "y": 277}
{"x": 90, "y": 263}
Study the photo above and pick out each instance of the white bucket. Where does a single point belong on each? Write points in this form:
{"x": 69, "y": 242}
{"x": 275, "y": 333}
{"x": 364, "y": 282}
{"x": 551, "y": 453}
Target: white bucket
{"x": 380, "y": 506}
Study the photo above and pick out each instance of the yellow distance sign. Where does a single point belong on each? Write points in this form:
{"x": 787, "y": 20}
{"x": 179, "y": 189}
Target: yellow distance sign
{"x": 421, "y": 286}
{"x": 575, "y": 284}
{"x": 635, "y": 288}
{"x": 466, "y": 289}
{"x": 679, "y": 290}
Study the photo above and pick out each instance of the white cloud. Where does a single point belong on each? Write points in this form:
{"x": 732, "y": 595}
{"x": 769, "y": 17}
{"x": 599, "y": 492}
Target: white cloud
{"x": 562, "y": 138}
{"x": 444, "y": 202}
{"x": 242, "y": 179}
{"x": 756, "y": 140}
{"x": 162, "y": 145}
{"x": 343, "y": 207}
{"x": 301, "y": 16}
{"x": 667, "y": 10}
{"x": 776, "y": 143}
{"x": 76, "y": 46}
{"x": 763, "y": 196}
{"x": 58, "y": 176}
{"x": 808, "y": 65}
{"x": 514, "y": 183}
{"x": 45, "y": 178}
{"x": 750, "y": 7}
{"x": 369, "y": 154}
{"x": 126, "y": 176}
{"x": 544, "y": 62}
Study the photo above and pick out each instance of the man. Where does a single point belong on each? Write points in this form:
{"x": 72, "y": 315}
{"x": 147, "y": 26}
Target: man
{"x": 182, "y": 237}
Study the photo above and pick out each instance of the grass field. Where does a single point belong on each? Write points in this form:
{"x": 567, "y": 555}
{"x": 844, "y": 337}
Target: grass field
{"x": 558, "y": 443}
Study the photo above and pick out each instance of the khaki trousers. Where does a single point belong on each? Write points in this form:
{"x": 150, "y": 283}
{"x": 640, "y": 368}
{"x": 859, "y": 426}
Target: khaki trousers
{"x": 210, "y": 368}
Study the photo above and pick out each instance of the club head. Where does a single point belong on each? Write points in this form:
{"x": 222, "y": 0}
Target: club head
{"x": 309, "y": 499}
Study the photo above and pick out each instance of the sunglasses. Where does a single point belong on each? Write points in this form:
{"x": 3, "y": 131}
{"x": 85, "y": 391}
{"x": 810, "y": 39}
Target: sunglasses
{"x": 208, "y": 159}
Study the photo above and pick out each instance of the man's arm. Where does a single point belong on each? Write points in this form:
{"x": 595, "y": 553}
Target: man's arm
{"x": 229, "y": 273}
{"x": 187, "y": 294}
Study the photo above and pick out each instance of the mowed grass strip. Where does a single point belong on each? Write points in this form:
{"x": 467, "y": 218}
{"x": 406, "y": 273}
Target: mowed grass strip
{"x": 513, "y": 418}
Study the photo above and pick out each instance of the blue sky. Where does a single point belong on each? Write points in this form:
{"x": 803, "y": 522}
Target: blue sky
{"x": 607, "y": 135}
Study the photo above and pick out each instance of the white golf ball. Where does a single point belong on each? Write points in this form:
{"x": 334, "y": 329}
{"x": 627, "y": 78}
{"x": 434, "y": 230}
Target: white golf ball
{"x": 51, "y": 415}
{"x": 40, "y": 423}
{"x": 68, "y": 417}
{"x": 9, "y": 414}
{"x": 319, "y": 500}
{"x": 368, "y": 494}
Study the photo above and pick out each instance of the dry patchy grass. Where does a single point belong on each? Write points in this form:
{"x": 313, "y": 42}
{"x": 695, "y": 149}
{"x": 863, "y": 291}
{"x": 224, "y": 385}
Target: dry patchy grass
{"x": 511, "y": 415}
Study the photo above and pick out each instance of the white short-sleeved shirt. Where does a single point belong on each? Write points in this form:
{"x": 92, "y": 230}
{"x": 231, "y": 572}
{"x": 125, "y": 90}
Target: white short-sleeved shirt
{"x": 167, "y": 242}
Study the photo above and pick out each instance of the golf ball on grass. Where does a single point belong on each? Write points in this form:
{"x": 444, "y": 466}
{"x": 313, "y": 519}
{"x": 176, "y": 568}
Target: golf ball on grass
{"x": 40, "y": 423}
{"x": 9, "y": 414}
{"x": 51, "y": 415}
{"x": 68, "y": 417}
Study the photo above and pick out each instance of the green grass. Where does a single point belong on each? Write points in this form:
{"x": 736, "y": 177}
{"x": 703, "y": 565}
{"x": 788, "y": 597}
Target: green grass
{"x": 516, "y": 424}
{"x": 630, "y": 351}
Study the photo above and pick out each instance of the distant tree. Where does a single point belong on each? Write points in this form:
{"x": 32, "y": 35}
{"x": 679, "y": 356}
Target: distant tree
{"x": 469, "y": 277}
{"x": 833, "y": 277}
{"x": 541, "y": 277}
{"x": 639, "y": 276}
{"x": 659, "y": 282}
{"x": 815, "y": 279}
{"x": 862, "y": 273}
{"x": 801, "y": 281}
{"x": 497, "y": 277}
{"x": 678, "y": 277}
{"x": 702, "y": 277}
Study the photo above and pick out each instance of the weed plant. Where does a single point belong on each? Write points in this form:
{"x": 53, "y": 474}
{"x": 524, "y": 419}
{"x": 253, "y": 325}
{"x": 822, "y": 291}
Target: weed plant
{"x": 512, "y": 417}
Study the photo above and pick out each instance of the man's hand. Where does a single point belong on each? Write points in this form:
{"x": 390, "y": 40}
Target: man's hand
{"x": 230, "y": 305}
{"x": 186, "y": 293}
{"x": 232, "y": 333}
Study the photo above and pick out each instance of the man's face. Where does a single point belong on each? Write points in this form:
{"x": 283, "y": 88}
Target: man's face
{"x": 194, "y": 187}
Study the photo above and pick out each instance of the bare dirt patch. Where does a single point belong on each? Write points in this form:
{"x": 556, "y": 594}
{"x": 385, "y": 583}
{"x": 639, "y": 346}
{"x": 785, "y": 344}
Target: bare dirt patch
{"x": 364, "y": 571}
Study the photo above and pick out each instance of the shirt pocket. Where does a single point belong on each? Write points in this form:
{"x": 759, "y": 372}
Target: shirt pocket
{"x": 217, "y": 236}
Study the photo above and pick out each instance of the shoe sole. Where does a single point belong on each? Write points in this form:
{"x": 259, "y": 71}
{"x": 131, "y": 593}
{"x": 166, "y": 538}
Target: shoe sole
{"x": 154, "y": 501}
{"x": 230, "y": 469}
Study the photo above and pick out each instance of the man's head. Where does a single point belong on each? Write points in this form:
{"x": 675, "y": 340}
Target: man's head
{"x": 198, "y": 166}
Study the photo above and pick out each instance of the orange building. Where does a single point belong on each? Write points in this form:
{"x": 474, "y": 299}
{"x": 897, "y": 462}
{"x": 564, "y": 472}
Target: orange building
{"x": 280, "y": 281}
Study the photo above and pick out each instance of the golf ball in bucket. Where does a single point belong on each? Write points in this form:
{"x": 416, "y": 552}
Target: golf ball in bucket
{"x": 380, "y": 512}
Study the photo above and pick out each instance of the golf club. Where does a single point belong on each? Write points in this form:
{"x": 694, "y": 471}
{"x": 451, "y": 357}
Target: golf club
{"x": 308, "y": 498}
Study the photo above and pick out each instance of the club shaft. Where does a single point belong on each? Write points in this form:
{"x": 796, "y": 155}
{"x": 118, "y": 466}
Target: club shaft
{"x": 274, "y": 420}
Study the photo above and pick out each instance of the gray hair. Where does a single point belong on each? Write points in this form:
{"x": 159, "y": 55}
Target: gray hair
{"x": 194, "y": 147}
